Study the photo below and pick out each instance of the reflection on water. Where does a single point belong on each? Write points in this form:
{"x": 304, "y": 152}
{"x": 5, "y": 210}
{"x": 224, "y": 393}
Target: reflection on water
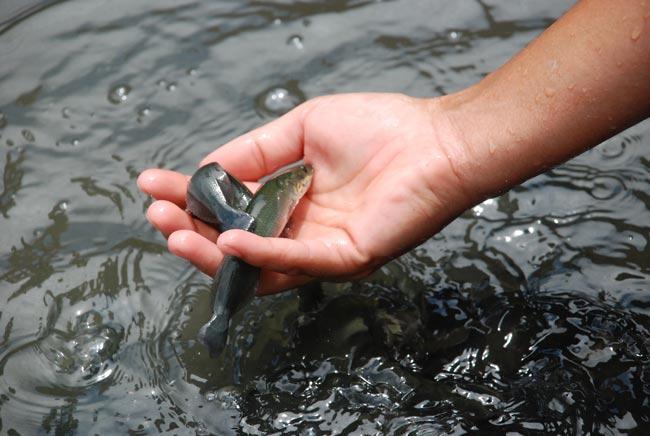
{"x": 528, "y": 313}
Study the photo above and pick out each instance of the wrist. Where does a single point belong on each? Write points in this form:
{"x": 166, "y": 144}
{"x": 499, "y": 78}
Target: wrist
{"x": 498, "y": 141}
{"x": 479, "y": 146}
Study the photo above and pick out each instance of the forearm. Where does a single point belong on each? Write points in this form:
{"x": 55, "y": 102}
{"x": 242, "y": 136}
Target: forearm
{"x": 584, "y": 79}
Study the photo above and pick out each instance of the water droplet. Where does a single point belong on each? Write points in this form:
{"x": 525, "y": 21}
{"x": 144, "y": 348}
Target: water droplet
{"x": 296, "y": 41}
{"x": 143, "y": 113}
{"x": 454, "y": 36}
{"x": 171, "y": 86}
{"x": 278, "y": 101}
{"x": 636, "y": 32}
{"x": 492, "y": 148}
{"x": 192, "y": 72}
{"x": 28, "y": 135}
{"x": 549, "y": 92}
{"x": 119, "y": 94}
{"x": 277, "y": 22}
{"x": 65, "y": 112}
{"x": 162, "y": 83}
{"x": 3, "y": 121}
{"x": 571, "y": 87}
{"x": 75, "y": 142}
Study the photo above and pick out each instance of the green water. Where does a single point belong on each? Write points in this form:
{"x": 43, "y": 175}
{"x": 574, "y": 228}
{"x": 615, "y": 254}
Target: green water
{"x": 529, "y": 313}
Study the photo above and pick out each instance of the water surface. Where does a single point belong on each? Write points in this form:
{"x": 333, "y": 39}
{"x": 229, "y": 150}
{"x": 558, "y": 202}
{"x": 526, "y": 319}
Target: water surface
{"x": 529, "y": 313}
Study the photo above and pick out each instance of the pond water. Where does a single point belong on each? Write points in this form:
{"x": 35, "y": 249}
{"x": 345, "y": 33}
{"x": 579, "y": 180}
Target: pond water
{"x": 529, "y": 313}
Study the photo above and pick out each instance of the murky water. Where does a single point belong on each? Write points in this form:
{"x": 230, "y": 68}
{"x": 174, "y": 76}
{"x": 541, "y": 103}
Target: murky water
{"x": 531, "y": 312}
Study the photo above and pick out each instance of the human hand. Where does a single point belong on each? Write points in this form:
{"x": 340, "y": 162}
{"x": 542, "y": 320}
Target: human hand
{"x": 383, "y": 182}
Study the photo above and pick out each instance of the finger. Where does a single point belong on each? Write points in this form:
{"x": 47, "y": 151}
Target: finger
{"x": 201, "y": 252}
{"x": 168, "y": 218}
{"x": 289, "y": 256}
{"x": 164, "y": 185}
{"x": 265, "y": 149}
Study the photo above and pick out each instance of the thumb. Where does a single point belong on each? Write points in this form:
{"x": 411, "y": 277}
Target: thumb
{"x": 314, "y": 257}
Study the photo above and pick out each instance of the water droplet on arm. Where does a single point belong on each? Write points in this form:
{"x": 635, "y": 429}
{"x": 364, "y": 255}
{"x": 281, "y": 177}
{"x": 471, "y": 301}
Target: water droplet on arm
{"x": 119, "y": 94}
{"x": 549, "y": 92}
{"x": 636, "y": 32}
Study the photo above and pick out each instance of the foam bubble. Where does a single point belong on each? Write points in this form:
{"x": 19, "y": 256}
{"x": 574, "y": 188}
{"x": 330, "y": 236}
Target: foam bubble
{"x": 278, "y": 101}
{"x": 119, "y": 94}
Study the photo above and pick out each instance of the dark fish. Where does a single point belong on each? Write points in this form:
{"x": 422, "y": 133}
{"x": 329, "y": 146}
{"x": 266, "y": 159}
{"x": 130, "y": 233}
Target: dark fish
{"x": 235, "y": 281}
{"x": 219, "y": 199}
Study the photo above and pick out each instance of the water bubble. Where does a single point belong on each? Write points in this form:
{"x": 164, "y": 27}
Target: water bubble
{"x": 296, "y": 41}
{"x": 83, "y": 355}
{"x": 92, "y": 318}
{"x": 75, "y": 142}
{"x": 3, "y": 121}
{"x": 454, "y": 36}
{"x": 277, "y": 22}
{"x": 172, "y": 86}
{"x": 192, "y": 72}
{"x": 612, "y": 149}
{"x": 143, "y": 113}
{"x": 28, "y": 135}
{"x": 278, "y": 101}
{"x": 65, "y": 112}
{"x": 119, "y": 94}
{"x": 162, "y": 83}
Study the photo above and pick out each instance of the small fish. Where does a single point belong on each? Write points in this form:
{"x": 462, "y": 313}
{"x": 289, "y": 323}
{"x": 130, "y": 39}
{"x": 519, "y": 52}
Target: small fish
{"x": 219, "y": 199}
{"x": 235, "y": 281}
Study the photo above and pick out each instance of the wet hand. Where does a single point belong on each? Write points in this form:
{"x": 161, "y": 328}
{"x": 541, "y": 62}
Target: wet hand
{"x": 383, "y": 182}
